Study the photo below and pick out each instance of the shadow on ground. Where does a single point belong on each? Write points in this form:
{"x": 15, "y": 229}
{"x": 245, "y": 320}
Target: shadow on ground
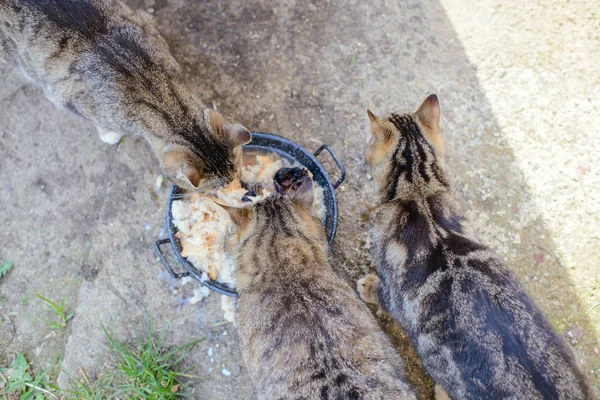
{"x": 79, "y": 218}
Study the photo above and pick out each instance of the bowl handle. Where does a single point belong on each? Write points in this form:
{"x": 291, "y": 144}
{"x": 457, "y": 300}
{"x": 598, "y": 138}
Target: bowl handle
{"x": 337, "y": 161}
{"x": 161, "y": 255}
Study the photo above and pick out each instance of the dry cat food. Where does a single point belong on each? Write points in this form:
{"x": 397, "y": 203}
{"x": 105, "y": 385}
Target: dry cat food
{"x": 202, "y": 224}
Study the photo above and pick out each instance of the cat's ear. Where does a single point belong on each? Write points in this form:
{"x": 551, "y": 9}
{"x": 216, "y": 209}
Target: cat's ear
{"x": 192, "y": 174}
{"x": 237, "y": 134}
{"x": 239, "y": 216}
{"x": 429, "y": 112}
{"x": 376, "y": 126}
{"x": 304, "y": 195}
{"x": 372, "y": 117}
{"x": 175, "y": 163}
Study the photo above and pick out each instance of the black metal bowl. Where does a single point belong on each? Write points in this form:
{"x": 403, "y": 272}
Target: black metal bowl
{"x": 286, "y": 149}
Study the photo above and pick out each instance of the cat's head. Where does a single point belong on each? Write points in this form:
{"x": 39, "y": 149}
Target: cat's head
{"x": 290, "y": 215}
{"x": 206, "y": 156}
{"x": 406, "y": 150}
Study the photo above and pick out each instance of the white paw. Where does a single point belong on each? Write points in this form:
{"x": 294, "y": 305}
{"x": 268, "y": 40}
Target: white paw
{"x": 368, "y": 287}
{"x": 440, "y": 393}
{"x": 109, "y": 137}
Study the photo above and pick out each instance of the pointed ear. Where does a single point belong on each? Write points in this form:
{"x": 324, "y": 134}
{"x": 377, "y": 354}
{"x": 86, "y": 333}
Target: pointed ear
{"x": 239, "y": 216}
{"x": 372, "y": 117}
{"x": 192, "y": 174}
{"x": 429, "y": 112}
{"x": 376, "y": 126}
{"x": 238, "y": 135}
{"x": 176, "y": 161}
{"x": 304, "y": 195}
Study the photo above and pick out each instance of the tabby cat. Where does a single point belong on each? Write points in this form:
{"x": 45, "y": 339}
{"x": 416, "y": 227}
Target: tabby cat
{"x": 105, "y": 62}
{"x": 479, "y": 334}
{"x": 304, "y": 333}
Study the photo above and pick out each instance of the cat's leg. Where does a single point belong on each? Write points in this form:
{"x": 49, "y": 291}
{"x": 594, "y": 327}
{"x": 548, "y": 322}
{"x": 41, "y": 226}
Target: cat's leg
{"x": 107, "y": 136}
{"x": 368, "y": 288}
{"x": 440, "y": 393}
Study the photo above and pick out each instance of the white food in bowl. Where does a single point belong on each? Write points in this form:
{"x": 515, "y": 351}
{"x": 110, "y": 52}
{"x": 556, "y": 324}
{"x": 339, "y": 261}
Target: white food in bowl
{"x": 202, "y": 224}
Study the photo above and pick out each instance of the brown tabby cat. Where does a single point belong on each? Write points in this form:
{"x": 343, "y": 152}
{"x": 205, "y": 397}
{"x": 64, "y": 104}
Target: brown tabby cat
{"x": 304, "y": 332}
{"x": 477, "y": 331}
{"x": 108, "y": 64}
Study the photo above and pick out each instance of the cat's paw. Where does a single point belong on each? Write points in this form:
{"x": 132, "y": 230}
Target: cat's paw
{"x": 368, "y": 287}
{"x": 440, "y": 393}
{"x": 110, "y": 137}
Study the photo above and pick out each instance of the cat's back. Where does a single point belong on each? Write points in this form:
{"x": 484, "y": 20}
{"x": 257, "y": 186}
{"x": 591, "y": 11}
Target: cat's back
{"x": 99, "y": 59}
{"x": 33, "y": 23}
{"x": 496, "y": 340}
{"x": 56, "y": 39}
{"x": 85, "y": 19}
{"x": 306, "y": 335}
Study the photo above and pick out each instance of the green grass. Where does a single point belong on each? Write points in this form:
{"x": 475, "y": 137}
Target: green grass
{"x": 145, "y": 369}
{"x": 83, "y": 388}
{"x": 17, "y": 382}
{"x": 151, "y": 370}
{"x": 59, "y": 311}
{"x": 591, "y": 308}
{"x": 5, "y": 266}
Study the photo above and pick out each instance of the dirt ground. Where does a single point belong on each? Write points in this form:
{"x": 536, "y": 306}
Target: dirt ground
{"x": 519, "y": 85}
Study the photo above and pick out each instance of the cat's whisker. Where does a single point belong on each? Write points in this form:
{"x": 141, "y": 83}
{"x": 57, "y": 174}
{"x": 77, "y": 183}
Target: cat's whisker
{"x": 186, "y": 195}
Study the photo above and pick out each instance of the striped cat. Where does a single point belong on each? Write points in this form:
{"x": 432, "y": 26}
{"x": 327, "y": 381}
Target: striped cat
{"x": 304, "y": 333}
{"x": 479, "y": 334}
{"x": 105, "y": 62}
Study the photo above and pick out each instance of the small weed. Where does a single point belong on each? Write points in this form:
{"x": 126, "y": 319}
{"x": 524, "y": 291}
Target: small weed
{"x": 17, "y": 382}
{"x": 429, "y": 383}
{"x": 591, "y": 308}
{"x": 59, "y": 311}
{"x": 146, "y": 370}
{"x": 5, "y": 266}
{"x": 85, "y": 389}
{"x": 150, "y": 370}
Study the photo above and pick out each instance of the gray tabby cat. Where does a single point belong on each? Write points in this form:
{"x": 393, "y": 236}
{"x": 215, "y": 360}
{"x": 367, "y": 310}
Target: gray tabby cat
{"x": 105, "y": 62}
{"x": 479, "y": 334}
{"x": 304, "y": 333}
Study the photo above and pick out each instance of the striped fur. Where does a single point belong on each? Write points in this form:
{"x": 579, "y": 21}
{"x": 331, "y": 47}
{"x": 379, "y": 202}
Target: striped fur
{"x": 102, "y": 61}
{"x": 304, "y": 333}
{"x": 479, "y": 334}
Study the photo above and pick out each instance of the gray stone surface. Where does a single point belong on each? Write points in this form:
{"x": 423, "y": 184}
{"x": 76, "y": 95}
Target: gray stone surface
{"x": 79, "y": 218}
